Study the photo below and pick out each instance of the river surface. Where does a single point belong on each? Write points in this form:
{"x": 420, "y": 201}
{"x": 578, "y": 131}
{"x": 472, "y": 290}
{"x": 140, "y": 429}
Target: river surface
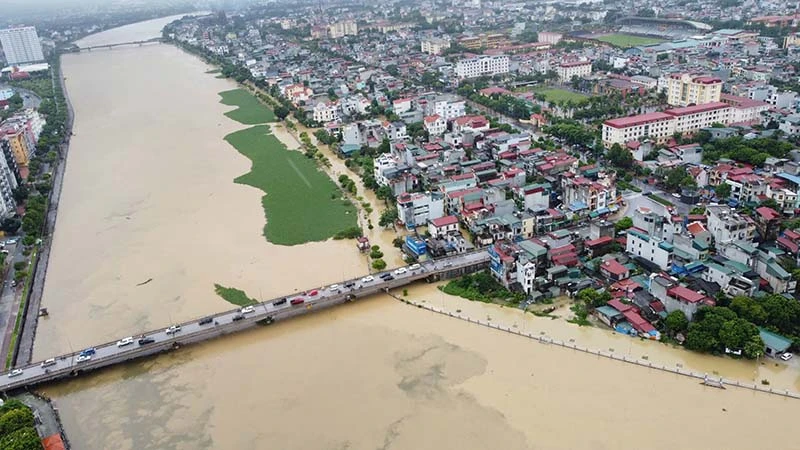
{"x": 149, "y": 195}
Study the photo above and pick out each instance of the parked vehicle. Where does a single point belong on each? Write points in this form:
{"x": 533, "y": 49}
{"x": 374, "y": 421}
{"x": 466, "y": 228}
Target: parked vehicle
{"x": 15, "y": 373}
{"x": 146, "y": 340}
{"x": 88, "y": 352}
{"x": 414, "y": 267}
{"x": 786, "y": 356}
{"x": 313, "y": 293}
{"x": 297, "y": 301}
{"x": 173, "y": 329}
{"x": 125, "y": 341}
{"x": 385, "y": 275}
{"x": 248, "y": 310}
{"x": 49, "y": 362}
{"x": 334, "y": 287}
{"x": 389, "y": 278}
{"x": 82, "y": 358}
{"x": 349, "y": 284}
{"x": 237, "y": 318}
{"x": 279, "y": 302}
{"x": 400, "y": 271}
{"x": 205, "y": 321}
{"x": 368, "y": 279}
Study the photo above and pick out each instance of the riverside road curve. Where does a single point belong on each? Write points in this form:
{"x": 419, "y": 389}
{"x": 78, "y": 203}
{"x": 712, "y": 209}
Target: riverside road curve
{"x": 111, "y": 353}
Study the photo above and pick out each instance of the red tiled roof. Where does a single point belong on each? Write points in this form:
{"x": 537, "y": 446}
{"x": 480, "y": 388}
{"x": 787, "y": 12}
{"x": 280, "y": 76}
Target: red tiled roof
{"x": 638, "y": 322}
{"x": 767, "y": 213}
{"x": 640, "y": 119}
{"x": 685, "y": 294}
{"x": 787, "y": 244}
{"x": 791, "y": 234}
{"x": 614, "y": 267}
{"x": 444, "y": 221}
{"x": 599, "y": 241}
{"x": 696, "y": 109}
{"x": 619, "y": 306}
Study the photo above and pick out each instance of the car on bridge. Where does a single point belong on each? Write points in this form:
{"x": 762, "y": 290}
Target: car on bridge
{"x": 49, "y": 362}
{"x": 279, "y": 302}
{"x": 312, "y": 293}
{"x": 146, "y": 340}
{"x": 368, "y": 279}
{"x": 414, "y": 267}
{"x": 237, "y": 318}
{"x": 247, "y": 310}
{"x": 125, "y": 341}
{"x": 88, "y": 352}
{"x": 173, "y": 329}
{"x": 400, "y": 271}
{"x": 82, "y": 358}
{"x": 334, "y": 287}
{"x": 205, "y": 321}
{"x": 297, "y": 301}
{"x": 15, "y": 373}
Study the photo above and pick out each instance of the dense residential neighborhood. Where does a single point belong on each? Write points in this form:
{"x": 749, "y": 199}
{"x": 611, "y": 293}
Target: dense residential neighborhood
{"x": 662, "y": 173}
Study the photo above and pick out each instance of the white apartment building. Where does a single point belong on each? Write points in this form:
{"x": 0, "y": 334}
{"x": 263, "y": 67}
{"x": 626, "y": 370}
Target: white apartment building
{"x": 380, "y": 165}
{"x": 659, "y": 252}
{"x": 447, "y": 109}
{"x": 434, "y": 46}
{"x": 686, "y": 89}
{"x": 483, "y": 65}
{"x": 662, "y": 125}
{"x": 343, "y": 28}
{"x": 418, "y": 208}
{"x": 549, "y": 37}
{"x": 728, "y": 226}
{"x": 21, "y": 45}
{"x": 325, "y": 112}
{"x": 435, "y": 125}
{"x": 568, "y": 70}
{"x": 8, "y": 183}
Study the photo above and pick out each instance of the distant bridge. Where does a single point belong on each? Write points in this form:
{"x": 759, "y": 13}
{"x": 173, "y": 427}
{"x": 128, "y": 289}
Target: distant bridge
{"x": 119, "y": 44}
{"x": 110, "y": 353}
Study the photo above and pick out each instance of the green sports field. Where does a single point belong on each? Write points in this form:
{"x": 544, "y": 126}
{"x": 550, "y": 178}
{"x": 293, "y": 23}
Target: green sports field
{"x": 627, "y": 40}
{"x": 250, "y": 111}
{"x": 561, "y": 95}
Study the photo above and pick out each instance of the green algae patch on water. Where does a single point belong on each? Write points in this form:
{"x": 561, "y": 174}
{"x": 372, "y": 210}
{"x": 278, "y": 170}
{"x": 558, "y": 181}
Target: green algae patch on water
{"x": 301, "y": 203}
{"x": 235, "y": 296}
{"x": 249, "y": 110}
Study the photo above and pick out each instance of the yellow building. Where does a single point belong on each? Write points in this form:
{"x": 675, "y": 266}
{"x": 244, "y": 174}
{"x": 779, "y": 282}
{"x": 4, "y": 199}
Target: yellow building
{"x": 19, "y": 147}
{"x": 792, "y": 40}
{"x": 687, "y": 89}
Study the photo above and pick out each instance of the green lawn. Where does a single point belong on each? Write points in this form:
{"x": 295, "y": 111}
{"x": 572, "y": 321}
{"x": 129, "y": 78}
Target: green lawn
{"x": 302, "y": 204}
{"x": 250, "y": 111}
{"x": 627, "y": 40}
{"x": 557, "y": 95}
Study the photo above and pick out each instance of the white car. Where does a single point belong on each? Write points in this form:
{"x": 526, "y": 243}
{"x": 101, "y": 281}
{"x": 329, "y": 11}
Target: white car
{"x": 334, "y": 287}
{"x": 49, "y": 362}
{"x": 173, "y": 329}
{"x": 676, "y": 195}
{"x": 125, "y": 341}
{"x": 82, "y": 358}
{"x": 414, "y": 267}
{"x": 368, "y": 279}
{"x": 786, "y": 356}
{"x": 248, "y": 310}
{"x": 400, "y": 271}
{"x": 15, "y": 373}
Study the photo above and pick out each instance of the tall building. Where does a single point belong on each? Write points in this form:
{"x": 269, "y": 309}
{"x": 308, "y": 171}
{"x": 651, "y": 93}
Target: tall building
{"x": 434, "y": 46}
{"x": 21, "y": 45}
{"x": 687, "y": 89}
{"x": 343, "y": 28}
{"x": 481, "y": 66}
{"x": 567, "y": 70}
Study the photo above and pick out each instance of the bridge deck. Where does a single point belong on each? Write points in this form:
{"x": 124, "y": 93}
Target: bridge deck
{"x": 110, "y": 353}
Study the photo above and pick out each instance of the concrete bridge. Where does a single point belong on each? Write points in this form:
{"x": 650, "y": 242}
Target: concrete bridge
{"x": 119, "y": 44}
{"x": 110, "y": 353}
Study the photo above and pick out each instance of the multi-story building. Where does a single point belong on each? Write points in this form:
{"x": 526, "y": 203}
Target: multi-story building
{"x": 325, "y": 112}
{"x": 342, "y": 29}
{"x": 21, "y": 45}
{"x": 434, "y": 46}
{"x": 567, "y": 70}
{"x": 594, "y": 195}
{"x": 676, "y": 297}
{"x": 686, "y": 89}
{"x": 493, "y": 40}
{"x": 20, "y": 140}
{"x": 297, "y": 93}
{"x": 549, "y": 37}
{"x": 435, "y": 125}
{"x": 446, "y": 107}
{"x": 650, "y": 248}
{"x": 484, "y": 65}
{"x": 8, "y": 183}
{"x": 662, "y": 125}
{"x": 418, "y": 208}
{"x": 726, "y": 225}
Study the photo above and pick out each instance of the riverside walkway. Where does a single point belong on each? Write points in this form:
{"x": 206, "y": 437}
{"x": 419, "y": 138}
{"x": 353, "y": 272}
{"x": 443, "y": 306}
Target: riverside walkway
{"x": 110, "y": 353}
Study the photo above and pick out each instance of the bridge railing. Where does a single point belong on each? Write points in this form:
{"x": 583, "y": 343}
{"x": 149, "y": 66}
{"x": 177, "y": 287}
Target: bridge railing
{"x": 216, "y": 315}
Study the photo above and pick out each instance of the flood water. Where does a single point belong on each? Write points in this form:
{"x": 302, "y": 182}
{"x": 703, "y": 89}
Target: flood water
{"x": 149, "y": 195}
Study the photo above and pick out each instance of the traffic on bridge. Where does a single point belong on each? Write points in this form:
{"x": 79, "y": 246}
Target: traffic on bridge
{"x": 127, "y": 348}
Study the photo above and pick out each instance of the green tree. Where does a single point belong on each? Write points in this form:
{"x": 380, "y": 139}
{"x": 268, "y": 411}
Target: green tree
{"x": 620, "y": 157}
{"x": 723, "y": 191}
{"x": 388, "y": 217}
{"x": 22, "y": 439}
{"x": 676, "y": 322}
{"x": 593, "y": 298}
{"x": 623, "y": 224}
{"x": 379, "y": 264}
{"x": 14, "y": 420}
{"x": 385, "y": 146}
{"x": 736, "y": 333}
{"x": 748, "y": 309}
{"x": 281, "y": 112}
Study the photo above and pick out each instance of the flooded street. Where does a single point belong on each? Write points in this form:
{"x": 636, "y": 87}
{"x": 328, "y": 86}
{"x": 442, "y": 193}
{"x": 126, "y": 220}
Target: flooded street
{"x": 149, "y": 195}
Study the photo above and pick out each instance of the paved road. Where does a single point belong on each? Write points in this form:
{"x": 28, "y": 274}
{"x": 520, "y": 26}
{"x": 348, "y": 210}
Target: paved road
{"x": 192, "y": 331}
{"x": 9, "y": 300}
{"x": 29, "y": 98}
